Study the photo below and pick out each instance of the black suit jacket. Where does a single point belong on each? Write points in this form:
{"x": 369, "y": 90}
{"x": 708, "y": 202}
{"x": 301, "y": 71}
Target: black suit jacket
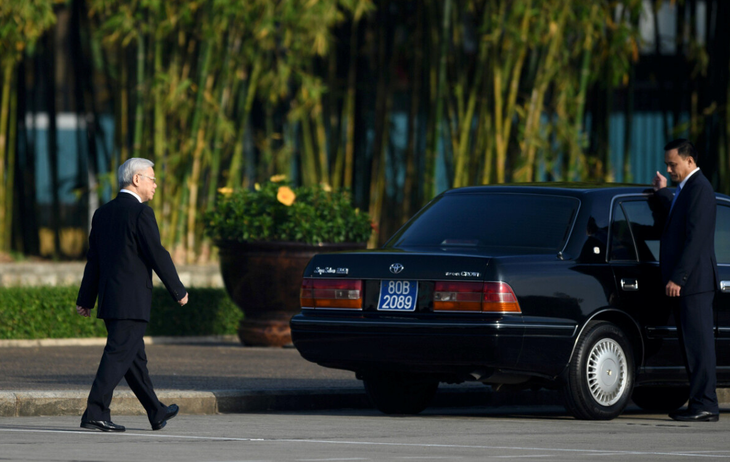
{"x": 687, "y": 244}
{"x": 124, "y": 248}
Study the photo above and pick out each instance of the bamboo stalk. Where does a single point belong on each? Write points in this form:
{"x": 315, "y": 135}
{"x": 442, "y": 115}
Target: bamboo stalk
{"x": 409, "y": 193}
{"x": 193, "y": 195}
{"x": 268, "y": 159}
{"x": 486, "y": 118}
{"x": 225, "y": 90}
{"x": 308, "y": 167}
{"x": 123, "y": 112}
{"x": 461, "y": 173}
{"x": 334, "y": 124}
{"x": 139, "y": 95}
{"x": 574, "y": 172}
{"x": 4, "y": 113}
{"x": 543, "y": 78}
{"x": 514, "y": 83}
{"x": 318, "y": 119}
{"x": 628, "y": 119}
{"x": 10, "y": 176}
{"x": 159, "y": 126}
{"x": 349, "y": 105}
{"x": 248, "y": 98}
{"x": 429, "y": 186}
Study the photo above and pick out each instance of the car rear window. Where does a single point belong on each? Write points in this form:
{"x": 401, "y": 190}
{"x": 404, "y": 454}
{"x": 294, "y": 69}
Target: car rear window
{"x": 512, "y": 221}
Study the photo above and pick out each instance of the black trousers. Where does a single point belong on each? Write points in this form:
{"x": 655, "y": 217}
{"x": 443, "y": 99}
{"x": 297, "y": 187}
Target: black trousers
{"x": 124, "y": 356}
{"x": 695, "y": 316}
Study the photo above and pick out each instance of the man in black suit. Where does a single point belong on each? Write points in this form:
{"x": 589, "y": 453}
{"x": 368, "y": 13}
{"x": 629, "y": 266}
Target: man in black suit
{"x": 688, "y": 268}
{"x": 124, "y": 248}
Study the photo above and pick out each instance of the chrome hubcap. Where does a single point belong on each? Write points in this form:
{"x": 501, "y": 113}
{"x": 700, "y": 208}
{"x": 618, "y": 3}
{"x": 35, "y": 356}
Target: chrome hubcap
{"x": 606, "y": 372}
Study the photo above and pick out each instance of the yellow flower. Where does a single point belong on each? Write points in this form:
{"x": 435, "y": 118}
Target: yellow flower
{"x": 277, "y": 178}
{"x": 326, "y": 187}
{"x": 225, "y": 191}
{"x": 286, "y": 196}
{"x": 257, "y": 186}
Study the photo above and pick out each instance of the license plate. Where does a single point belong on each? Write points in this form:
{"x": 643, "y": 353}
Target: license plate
{"x": 398, "y": 296}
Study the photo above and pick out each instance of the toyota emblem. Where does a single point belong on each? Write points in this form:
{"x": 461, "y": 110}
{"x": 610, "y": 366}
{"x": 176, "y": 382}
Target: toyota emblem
{"x": 396, "y": 268}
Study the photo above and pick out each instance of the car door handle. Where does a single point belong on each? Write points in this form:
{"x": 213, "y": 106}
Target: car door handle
{"x": 725, "y": 286}
{"x": 629, "y": 285}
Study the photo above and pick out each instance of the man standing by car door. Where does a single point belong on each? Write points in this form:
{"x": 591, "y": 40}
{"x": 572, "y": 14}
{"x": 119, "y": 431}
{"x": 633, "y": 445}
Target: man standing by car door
{"x": 688, "y": 268}
{"x": 124, "y": 248}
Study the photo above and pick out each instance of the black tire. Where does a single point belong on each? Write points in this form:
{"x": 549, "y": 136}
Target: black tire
{"x": 660, "y": 399}
{"x": 600, "y": 378}
{"x": 400, "y": 395}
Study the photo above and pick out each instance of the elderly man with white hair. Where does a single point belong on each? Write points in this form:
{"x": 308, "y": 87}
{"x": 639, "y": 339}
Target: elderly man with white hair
{"x": 124, "y": 249}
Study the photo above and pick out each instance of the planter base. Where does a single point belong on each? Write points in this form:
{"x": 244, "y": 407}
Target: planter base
{"x": 265, "y": 332}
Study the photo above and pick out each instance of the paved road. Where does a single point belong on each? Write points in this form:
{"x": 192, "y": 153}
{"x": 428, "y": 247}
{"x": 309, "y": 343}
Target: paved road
{"x": 461, "y": 434}
{"x": 202, "y": 378}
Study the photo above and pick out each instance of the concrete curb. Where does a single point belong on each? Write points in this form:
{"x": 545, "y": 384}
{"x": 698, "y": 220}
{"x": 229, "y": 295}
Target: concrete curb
{"x": 72, "y": 403}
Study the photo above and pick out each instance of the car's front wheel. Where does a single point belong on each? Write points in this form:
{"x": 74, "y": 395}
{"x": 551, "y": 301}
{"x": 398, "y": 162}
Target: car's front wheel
{"x": 400, "y": 395}
{"x": 600, "y": 377}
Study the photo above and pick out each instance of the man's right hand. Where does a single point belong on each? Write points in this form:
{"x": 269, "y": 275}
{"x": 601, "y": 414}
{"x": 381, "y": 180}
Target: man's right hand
{"x": 659, "y": 181}
{"x": 83, "y": 311}
{"x": 184, "y": 300}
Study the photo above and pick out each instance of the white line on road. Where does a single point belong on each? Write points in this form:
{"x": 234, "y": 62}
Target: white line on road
{"x": 373, "y": 443}
{"x": 332, "y": 460}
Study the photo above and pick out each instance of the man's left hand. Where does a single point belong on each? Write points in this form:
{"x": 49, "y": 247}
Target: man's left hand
{"x": 672, "y": 289}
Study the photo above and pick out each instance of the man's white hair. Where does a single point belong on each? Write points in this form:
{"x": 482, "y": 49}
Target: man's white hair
{"x": 129, "y": 168}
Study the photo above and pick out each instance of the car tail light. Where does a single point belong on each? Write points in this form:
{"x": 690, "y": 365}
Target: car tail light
{"x": 331, "y": 293}
{"x": 474, "y": 296}
{"x": 498, "y": 296}
{"x": 457, "y": 296}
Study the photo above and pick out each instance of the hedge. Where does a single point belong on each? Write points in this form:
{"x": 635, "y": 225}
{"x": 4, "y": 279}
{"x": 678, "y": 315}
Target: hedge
{"x": 50, "y": 312}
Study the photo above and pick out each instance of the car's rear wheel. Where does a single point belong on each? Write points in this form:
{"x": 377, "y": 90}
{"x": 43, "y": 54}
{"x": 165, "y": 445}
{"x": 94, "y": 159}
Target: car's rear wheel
{"x": 663, "y": 399}
{"x": 600, "y": 378}
{"x": 400, "y": 395}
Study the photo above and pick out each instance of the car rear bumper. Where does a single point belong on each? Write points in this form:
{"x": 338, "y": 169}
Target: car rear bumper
{"x": 429, "y": 346}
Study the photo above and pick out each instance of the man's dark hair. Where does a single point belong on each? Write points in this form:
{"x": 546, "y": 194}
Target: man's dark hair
{"x": 685, "y": 148}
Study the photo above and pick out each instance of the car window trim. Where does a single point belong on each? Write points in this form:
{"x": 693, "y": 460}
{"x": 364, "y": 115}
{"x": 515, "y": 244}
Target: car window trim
{"x": 728, "y": 204}
{"x": 611, "y": 213}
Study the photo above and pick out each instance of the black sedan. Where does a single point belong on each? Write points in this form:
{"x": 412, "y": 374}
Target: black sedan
{"x": 513, "y": 286}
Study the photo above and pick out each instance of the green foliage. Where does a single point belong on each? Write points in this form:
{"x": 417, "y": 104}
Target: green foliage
{"x": 200, "y": 67}
{"x": 274, "y": 212}
{"x": 208, "y": 312}
{"x": 22, "y": 22}
{"x": 49, "y": 312}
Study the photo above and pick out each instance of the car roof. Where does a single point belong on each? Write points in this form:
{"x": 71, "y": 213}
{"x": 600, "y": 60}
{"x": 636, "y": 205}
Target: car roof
{"x": 575, "y": 189}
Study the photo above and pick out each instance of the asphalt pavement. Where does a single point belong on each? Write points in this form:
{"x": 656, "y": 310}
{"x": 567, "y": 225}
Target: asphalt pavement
{"x": 520, "y": 433}
{"x": 206, "y": 376}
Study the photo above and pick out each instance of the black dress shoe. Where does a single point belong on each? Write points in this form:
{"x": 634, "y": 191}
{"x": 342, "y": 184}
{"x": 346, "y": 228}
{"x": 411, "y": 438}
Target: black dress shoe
{"x": 700, "y": 416}
{"x": 170, "y": 414}
{"x": 104, "y": 425}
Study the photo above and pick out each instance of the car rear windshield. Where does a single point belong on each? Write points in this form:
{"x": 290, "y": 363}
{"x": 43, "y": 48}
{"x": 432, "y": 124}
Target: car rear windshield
{"x": 516, "y": 222}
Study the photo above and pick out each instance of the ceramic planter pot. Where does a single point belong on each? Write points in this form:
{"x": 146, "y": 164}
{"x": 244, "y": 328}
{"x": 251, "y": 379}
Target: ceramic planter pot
{"x": 264, "y": 280}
